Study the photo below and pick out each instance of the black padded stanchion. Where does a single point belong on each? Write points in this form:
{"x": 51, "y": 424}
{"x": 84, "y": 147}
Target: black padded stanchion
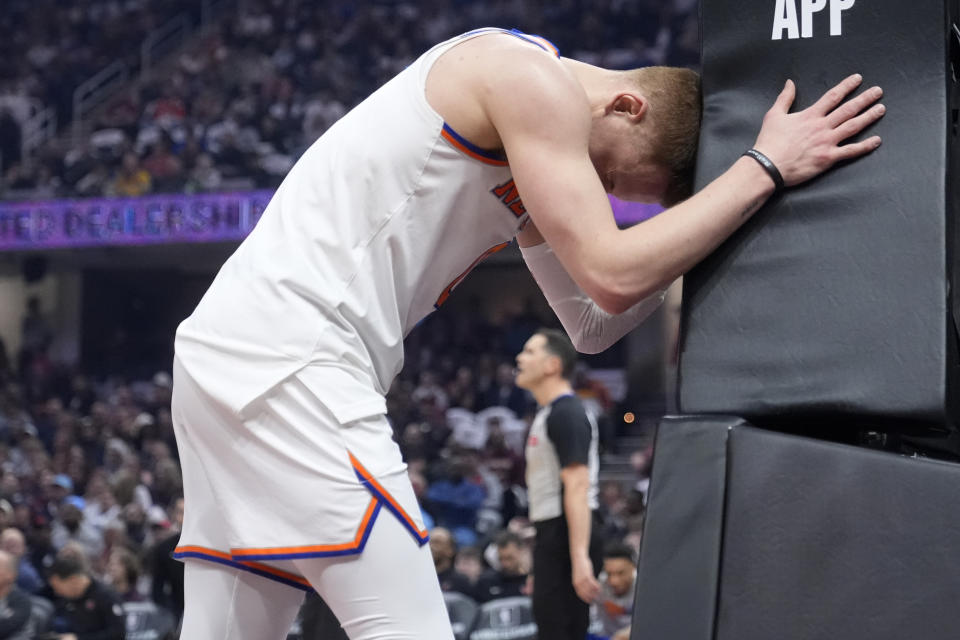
{"x": 679, "y": 564}
{"x": 814, "y": 540}
{"x": 836, "y": 301}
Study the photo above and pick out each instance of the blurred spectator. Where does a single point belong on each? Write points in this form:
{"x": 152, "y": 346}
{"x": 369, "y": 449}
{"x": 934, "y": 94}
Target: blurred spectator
{"x": 132, "y": 179}
{"x": 101, "y": 508}
{"x": 95, "y": 182}
{"x": 204, "y": 177}
{"x": 165, "y": 169}
{"x": 9, "y": 139}
{"x": 84, "y": 605}
{"x": 59, "y": 488}
{"x": 510, "y": 578}
{"x": 135, "y": 524}
{"x": 469, "y": 563}
{"x": 504, "y": 393}
{"x": 13, "y": 543}
{"x": 444, "y": 551}
{"x": 36, "y": 335}
{"x": 4, "y": 360}
{"x": 462, "y": 390}
{"x": 642, "y": 463}
{"x": 455, "y": 500}
{"x": 614, "y": 607}
{"x": 419, "y": 484}
{"x": 123, "y": 573}
{"x": 15, "y": 605}
{"x": 70, "y": 526}
{"x": 167, "y": 582}
{"x": 430, "y": 392}
{"x": 613, "y": 509}
{"x": 596, "y": 399}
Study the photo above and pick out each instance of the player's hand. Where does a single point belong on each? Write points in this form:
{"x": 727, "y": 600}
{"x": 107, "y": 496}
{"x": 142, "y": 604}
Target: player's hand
{"x": 807, "y": 143}
{"x": 584, "y": 583}
{"x": 68, "y": 636}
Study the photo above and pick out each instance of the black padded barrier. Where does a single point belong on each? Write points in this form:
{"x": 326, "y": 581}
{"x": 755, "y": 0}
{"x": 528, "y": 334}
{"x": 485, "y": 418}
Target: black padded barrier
{"x": 676, "y": 589}
{"x": 835, "y": 302}
{"x": 814, "y": 540}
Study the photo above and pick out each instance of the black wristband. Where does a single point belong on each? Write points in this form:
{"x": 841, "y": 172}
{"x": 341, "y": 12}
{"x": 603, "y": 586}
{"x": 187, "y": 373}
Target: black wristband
{"x": 768, "y": 166}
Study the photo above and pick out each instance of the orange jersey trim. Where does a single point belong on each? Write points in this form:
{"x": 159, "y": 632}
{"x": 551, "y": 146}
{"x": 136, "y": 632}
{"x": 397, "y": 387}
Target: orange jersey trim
{"x": 243, "y": 558}
{"x": 266, "y": 571}
{"x": 377, "y": 489}
{"x": 320, "y": 550}
{"x": 445, "y": 294}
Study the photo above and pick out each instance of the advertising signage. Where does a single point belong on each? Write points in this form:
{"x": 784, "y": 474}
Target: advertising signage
{"x": 165, "y": 219}
{"x": 161, "y": 219}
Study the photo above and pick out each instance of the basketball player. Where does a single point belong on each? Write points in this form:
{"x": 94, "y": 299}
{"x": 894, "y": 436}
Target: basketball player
{"x": 291, "y": 477}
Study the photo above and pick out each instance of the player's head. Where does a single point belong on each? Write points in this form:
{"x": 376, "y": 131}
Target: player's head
{"x": 644, "y": 142}
{"x": 547, "y": 355}
{"x": 620, "y": 568}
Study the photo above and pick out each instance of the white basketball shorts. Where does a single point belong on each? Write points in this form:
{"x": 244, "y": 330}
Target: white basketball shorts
{"x": 283, "y": 480}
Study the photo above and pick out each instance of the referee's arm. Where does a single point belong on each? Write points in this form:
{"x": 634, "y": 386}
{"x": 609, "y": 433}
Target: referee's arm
{"x": 576, "y": 481}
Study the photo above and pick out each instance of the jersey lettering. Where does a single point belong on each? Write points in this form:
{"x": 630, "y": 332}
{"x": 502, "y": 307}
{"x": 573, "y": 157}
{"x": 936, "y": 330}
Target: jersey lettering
{"x": 510, "y": 197}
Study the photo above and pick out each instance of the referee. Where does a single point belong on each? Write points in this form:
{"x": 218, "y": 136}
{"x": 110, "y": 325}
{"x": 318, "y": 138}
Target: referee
{"x": 562, "y": 465}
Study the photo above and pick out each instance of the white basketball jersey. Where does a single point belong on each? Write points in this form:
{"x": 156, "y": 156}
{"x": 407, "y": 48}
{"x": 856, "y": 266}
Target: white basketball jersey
{"x": 371, "y": 230}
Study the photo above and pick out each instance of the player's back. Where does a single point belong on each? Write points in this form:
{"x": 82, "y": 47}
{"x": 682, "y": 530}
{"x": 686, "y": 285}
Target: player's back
{"x": 370, "y": 231}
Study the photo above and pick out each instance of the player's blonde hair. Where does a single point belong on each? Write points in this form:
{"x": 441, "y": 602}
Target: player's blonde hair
{"x": 674, "y": 111}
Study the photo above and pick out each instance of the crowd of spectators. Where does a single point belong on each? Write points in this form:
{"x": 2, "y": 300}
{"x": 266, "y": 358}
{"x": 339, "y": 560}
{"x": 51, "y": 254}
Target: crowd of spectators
{"x": 49, "y": 47}
{"x": 90, "y": 471}
{"x": 237, "y": 107}
{"x": 91, "y": 466}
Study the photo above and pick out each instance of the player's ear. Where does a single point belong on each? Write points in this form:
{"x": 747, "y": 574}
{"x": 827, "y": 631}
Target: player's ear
{"x": 630, "y": 105}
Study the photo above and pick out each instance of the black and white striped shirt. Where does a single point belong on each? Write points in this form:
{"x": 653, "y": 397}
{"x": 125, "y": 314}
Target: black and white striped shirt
{"x": 563, "y": 433}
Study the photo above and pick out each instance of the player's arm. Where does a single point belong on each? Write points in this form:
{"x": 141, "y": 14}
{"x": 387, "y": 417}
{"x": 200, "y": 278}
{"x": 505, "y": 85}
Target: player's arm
{"x": 544, "y": 125}
{"x": 591, "y": 329}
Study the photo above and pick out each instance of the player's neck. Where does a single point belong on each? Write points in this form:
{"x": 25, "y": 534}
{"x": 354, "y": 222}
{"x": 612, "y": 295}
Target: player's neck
{"x": 551, "y": 389}
{"x": 598, "y": 83}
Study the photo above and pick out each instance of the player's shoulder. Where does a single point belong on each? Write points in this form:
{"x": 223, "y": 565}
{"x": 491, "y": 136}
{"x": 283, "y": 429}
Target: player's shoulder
{"x": 504, "y": 50}
{"x": 512, "y": 86}
{"x": 515, "y": 69}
